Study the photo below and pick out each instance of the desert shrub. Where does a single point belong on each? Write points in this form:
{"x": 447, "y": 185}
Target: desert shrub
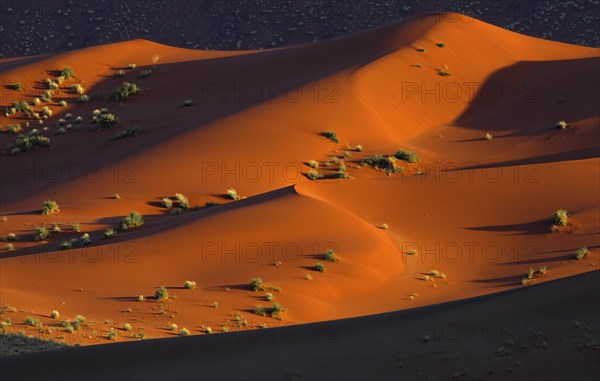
{"x": 133, "y": 220}
{"x": 341, "y": 173}
{"x": 85, "y": 239}
{"x": 488, "y": 136}
{"x": 52, "y": 85}
{"x": 440, "y": 45}
{"x": 543, "y": 270}
{"x": 50, "y": 207}
{"x": 131, "y": 131}
{"x": 330, "y": 256}
{"x": 260, "y": 310}
{"x": 67, "y": 73}
{"x": 116, "y": 196}
{"x": 313, "y": 164}
{"x": 46, "y": 112}
{"x": 9, "y": 247}
{"x": 14, "y": 128}
{"x": 208, "y": 330}
{"x": 188, "y": 102}
{"x": 421, "y": 50}
{"x": 79, "y": 120}
{"x": 166, "y": 203}
{"x": 47, "y": 96}
{"x": 320, "y": 267}
{"x": 120, "y": 73}
{"x": 76, "y": 227}
{"x": 581, "y": 253}
{"x": 11, "y": 237}
{"x": 359, "y": 148}
{"x": 560, "y": 217}
{"x": 184, "y": 332}
{"x": 32, "y": 322}
{"x": 176, "y": 211}
{"x": 145, "y": 73}
{"x": 173, "y": 327}
{"x": 347, "y": 155}
{"x": 61, "y": 131}
{"x": 77, "y": 88}
{"x": 562, "y": 125}
{"x": 162, "y": 293}
{"x": 15, "y": 86}
{"x": 313, "y": 174}
{"x": 385, "y": 226}
{"x": 126, "y": 90}
{"x": 215, "y": 304}
{"x": 106, "y": 121}
{"x": 131, "y": 66}
{"x": 232, "y": 193}
{"x": 112, "y": 334}
{"x": 127, "y": 327}
{"x": 383, "y": 163}
{"x": 109, "y": 232}
{"x": 66, "y": 245}
{"x": 83, "y": 99}
{"x": 182, "y": 200}
{"x": 54, "y": 314}
{"x": 257, "y": 284}
{"x": 141, "y": 298}
{"x": 444, "y": 73}
{"x": 406, "y": 155}
{"x": 189, "y": 284}
{"x": 22, "y": 106}
{"x": 55, "y": 228}
{"x": 331, "y": 135}
{"x": 41, "y": 233}
{"x": 269, "y": 296}
{"x": 276, "y": 310}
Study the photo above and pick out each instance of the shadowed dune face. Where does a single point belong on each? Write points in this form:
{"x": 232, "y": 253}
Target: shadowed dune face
{"x": 476, "y": 210}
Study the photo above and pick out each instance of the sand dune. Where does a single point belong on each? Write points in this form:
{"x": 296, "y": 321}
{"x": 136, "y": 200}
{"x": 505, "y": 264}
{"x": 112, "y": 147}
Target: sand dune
{"x": 478, "y": 210}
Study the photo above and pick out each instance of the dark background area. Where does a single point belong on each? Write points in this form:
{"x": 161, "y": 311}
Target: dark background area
{"x": 34, "y": 27}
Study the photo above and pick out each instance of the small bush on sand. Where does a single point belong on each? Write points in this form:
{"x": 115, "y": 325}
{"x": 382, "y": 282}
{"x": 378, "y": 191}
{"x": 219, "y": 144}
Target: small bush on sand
{"x": 331, "y": 135}
{"x": 127, "y": 327}
{"x": 162, "y": 293}
{"x": 66, "y": 245}
{"x": 440, "y": 45}
{"x": 54, "y": 314}
{"x": 330, "y": 256}
{"x": 543, "y": 270}
{"x": 133, "y": 220}
{"x": 109, "y": 232}
{"x": 184, "y": 332}
{"x": 189, "y": 284}
{"x": 11, "y": 237}
{"x": 188, "y": 102}
{"x": 320, "y": 267}
{"x": 9, "y": 247}
{"x": 562, "y": 125}
{"x": 32, "y": 322}
{"x": 268, "y": 296}
{"x": 581, "y": 253}
{"x": 386, "y": 164}
{"x": 77, "y": 88}
{"x": 41, "y": 233}
{"x": 232, "y": 193}
{"x": 173, "y": 327}
{"x": 560, "y": 217}
{"x": 83, "y": 99}
{"x": 182, "y": 200}
{"x": 106, "y": 121}
{"x": 131, "y": 66}
{"x": 76, "y": 227}
{"x": 126, "y": 90}
{"x": 15, "y": 86}
{"x": 313, "y": 174}
{"x": 257, "y": 284}
{"x": 141, "y": 298}
{"x": 166, "y": 203}
{"x": 112, "y": 334}
{"x": 313, "y": 164}
{"x": 406, "y": 155}
{"x": 120, "y": 73}
{"x": 488, "y": 136}
{"x": 260, "y": 310}
{"x": 67, "y": 73}
{"x": 277, "y": 310}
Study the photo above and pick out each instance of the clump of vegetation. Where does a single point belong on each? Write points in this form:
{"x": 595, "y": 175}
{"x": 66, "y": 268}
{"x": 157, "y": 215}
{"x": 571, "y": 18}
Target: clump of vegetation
{"x": 24, "y": 143}
{"x": 320, "y": 267}
{"x": 331, "y": 135}
{"x": 184, "y": 332}
{"x": 406, "y": 155}
{"x": 15, "y": 86}
{"x": 131, "y": 131}
{"x": 443, "y": 72}
{"x": 232, "y": 193}
{"x": 162, "y": 293}
{"x": 127, "y": 327}
{"x": 67, "y": 73}
{"x": 66, "y": 245}
{"x": 83, "y": 99}
{"x": 131, "y": 221}
{"x": 32, "y": 322}
{"x": 41, "y": 233}
{"x": 560, "y": 217}
{"x": 141, "y": 298}
{"x": 11, "y": 237}
{"x": 581, "y": 253}
{"x": 188, "y": 102}
{"x": 189, "y": 285}
{"x": 257, "y": 284}
{"x": 260, "y": 310}
{"x": 386, "y": 164}
{"x": 131, "y": 66}
{"x": 182, "y": 200}
{"x": 543, "y": 270}
{"x": 313, "y": 164}
{"x": 166, "y": 203}
{"x": 109, "y": 232}
{"x": 126, "y": 90}
{"x": 440, "y": 45}
{"x": 77, "y": 88}
{"x": 145, "y": 73}
{"x": 385, "y": 226}
{"x": 488, "y": 136}
{"x": 9, "y": 247}
{"x": 562, "y": 125}
{"x": 120, "y": 73}
{"x": 277, "y": 310}
{"x": 330, "y": 256}
{"x": 106, "y": 121}
{"x": 313, "y": 174}
{"x": 268, "y": 296}
{"x": 50, "y": 207}
{"x": 422, "y": 50}
{"x": 76, "y": 227}
{"x": 112, "y": 334}
{"x": 14, "y": 128}
{"x": 173, "y": 327}
{"x": 54, "y": 314}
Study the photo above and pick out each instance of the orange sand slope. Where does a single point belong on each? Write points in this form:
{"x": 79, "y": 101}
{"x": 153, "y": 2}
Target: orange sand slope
{"x": 474, "y": 209}
{"x": 508, "y": 336}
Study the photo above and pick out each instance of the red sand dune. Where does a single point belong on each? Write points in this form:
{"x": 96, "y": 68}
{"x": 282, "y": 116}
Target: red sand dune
{"x": 478, "y": 210}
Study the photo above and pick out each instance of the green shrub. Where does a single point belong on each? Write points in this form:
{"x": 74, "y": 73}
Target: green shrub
{"x": 581, "y": 253}
{"x": 543, "y": 270}
{"x": 15, "y": 86}
{"x": 145, "y": 73}
{"x": 444, "y": 73}
{"x": 30, "y": 321}
{"x": 11, "y": 237}
{"x": 313, "y": 174}
{"x": 440, "y": 45}
{"x": 260, "y": 310}
{"x": 189, "y": 284}
{"x": 109, "y": 232}
{"x": 166, "y": 203}
{"x": 562, "y": 125}
{"x": 77, "y": 88}
{"x": 127, "y": 327}
{"x": 560, "y": 217}
{"x": 422, "y": 50}
{"x": 47, "y": 96}
{"x": 14, "y": 128}
{"x": 106, "y": 121}
{"x": 313, "y": 164}
{"x": 330, "y": 256}
{"x": 22, "y": 106}
{"x": 66, "y": 245}
{"x": 182, "y": 200}
{"x": 269, "y": 296}
{"x": 257, "y": 284}
{"x": 331, "y": 135}
{"x": 9, "y": 247}
{"x": 406, "y": 155}
{"x": 112, "y": 334}
{"x": 67, "y": 73}
{"x": 79, "y": 120}
{"x": 131, "y": 66}
{"x": 41, "y": 233}
{"x": 232, "y": 193}
{"x": 61, "y": 131}
{"x": 50, "y": 207}
{"x": 276, "y": 311}
{"x": 27, "y": 143}
{"x": 176, "y": 211}
{"x": 83, "y": 99}
{"x": 184, "y": 332}
{"x": 320, "y": 267}
{"x": 208, "y": 330}
{"x": 120, "y": 73}
{"x": 173, "y": 327}
{"x": 54, "y": 314}
{"x": 162, "y": 293}
{"x": 133, "y": 220}
{"x": 383, "y": 163}
{"x": 76, "y": 227}
{"x": 489, "y": 136}
{"x": 126, "y": 90}
{"x": 347, "y": 155}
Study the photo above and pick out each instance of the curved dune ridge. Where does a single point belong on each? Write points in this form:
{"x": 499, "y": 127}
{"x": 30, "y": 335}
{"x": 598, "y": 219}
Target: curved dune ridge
{"x": 476, "y": 210}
